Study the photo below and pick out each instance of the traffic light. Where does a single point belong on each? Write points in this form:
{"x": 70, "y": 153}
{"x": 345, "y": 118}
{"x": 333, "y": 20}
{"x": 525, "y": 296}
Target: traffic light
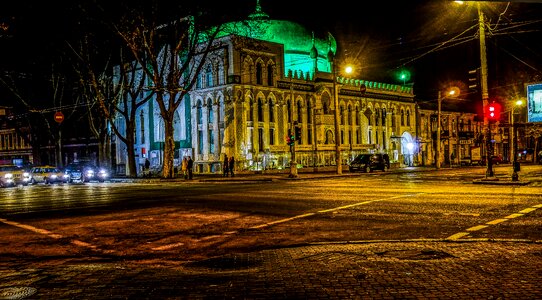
{"x": 298, "y": 134}
{"x": 290, "y": 140}
{"x": 493, "y": 112}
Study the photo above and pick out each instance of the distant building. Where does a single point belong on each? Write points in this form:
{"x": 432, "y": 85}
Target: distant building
{"x": 262, "y": 81}
{"x": 14, "y": 148}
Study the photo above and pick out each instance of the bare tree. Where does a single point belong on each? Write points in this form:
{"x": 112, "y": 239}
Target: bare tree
{"x": 172, "y": 55}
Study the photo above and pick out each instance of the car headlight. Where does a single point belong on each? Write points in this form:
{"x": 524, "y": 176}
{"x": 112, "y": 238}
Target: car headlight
{"x": 90, "y": 173}
{"x": 103, "y": 173}
{"x": 26, "y": 174}
{"x": 8, "y": 176}
{"x": 66, "y": 175}
{"x": 54, "y": 176}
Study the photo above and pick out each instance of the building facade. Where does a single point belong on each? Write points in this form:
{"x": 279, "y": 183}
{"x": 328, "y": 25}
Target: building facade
{"x": 259, "y": 86}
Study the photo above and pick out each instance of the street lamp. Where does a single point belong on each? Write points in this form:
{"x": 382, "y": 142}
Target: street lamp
{"x": 336, "y": 86}
{"x": 513, "y": 136}
{"x": 452, "y": 92}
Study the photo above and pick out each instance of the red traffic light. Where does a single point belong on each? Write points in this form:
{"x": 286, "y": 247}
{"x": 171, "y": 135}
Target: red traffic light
{"x": 493, "y": 111}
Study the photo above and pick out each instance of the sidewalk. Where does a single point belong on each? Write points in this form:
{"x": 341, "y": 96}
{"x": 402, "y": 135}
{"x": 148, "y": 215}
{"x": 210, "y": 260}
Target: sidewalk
{"x": 429, "y": 269}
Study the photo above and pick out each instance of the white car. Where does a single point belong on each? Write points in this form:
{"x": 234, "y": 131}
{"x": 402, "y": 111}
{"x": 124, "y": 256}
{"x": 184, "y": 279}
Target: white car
{"x": 12, "y": 175}
{"x": 47, "y": 174}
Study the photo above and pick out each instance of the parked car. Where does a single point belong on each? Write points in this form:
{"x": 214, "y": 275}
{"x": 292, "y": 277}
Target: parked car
{"x": 495, "y": 160}
{"x": 47, "y": 174}
{"x": 12, "y": 175}
{"x": 85, "y": 172}
{"x": 369, "y": 162}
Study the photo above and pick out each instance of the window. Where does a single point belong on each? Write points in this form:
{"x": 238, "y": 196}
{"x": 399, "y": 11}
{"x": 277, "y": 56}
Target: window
{"x": 271, "y": 111}
{"x": 260, "y": 139}
{"x": 259, "y": 79}
{"x": 402, "y": 117}
{"x": 250, "y": 111}
{"x": 383, "y": 139}
{"x": 393, "y": 118}
{"x": 377, "y": 117}
{"x": 199, "y": 113}
{"x": 349, "y": 116}
{"x": 211, "y": 142}
{"x": 288, "y": 111}
{"x": 210, "y": 111}
{"x": 309, "y": 112}
{"x": 356, "y": 117}
{"x": 198, "y": 81}
{"x": 209, "y": 76}
{"x": 260, "y": 110}
{"x": 370, "y": 136}
{"x": 270, "y": 77}
{"x": 383, "y": 117}
{"x": 309, "y": 136}
{"x": 220, "y": 74}
{"x": 341, "y": 114}
{"x": 408, "y": 117}
{"x": 271, "y": 136}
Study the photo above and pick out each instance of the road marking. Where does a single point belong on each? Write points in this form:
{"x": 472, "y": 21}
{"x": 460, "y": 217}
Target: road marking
{"x": 495, "y": 222}
{"x": 475, "y": 228}
{"x": 328, "y": 210}
{"x": 46, "y": 233}
{"x": 268, "y": 224}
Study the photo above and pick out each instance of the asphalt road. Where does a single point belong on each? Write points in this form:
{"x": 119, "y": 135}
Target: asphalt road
{"x": 175, "y": 223}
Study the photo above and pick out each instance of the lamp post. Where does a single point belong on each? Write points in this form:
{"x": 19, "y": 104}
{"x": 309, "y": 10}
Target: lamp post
{"x": 450, "y": 92}
{"x": 293, "y": 163}
{"x": 338, "y": 160}
{"x": 513, "y": 139}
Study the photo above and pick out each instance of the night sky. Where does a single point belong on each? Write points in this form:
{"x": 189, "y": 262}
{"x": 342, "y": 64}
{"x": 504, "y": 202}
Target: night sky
{"x": 383, "y": 37}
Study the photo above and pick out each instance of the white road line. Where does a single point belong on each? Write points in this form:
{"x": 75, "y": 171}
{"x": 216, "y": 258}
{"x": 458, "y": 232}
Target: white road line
{"x": 46, "y": 233}
{"x": 495, "y": 222}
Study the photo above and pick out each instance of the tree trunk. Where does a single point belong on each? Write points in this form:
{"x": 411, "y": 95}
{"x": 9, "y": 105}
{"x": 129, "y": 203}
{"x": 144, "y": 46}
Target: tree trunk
{"x": 131, "y": 163}
{"x": 168, "y": 170}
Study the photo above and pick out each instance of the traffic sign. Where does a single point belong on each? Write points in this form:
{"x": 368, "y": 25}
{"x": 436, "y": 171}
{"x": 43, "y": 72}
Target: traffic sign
{"x": 59, "y": 117}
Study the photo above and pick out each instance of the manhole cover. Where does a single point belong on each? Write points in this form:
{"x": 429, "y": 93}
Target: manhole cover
{"x": 17, "y": 292}
{"x": 415, "y": 254}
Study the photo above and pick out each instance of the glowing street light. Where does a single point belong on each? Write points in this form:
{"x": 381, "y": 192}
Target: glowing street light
{"x": 513, "y": 136}
{"x": 451, "y": 92}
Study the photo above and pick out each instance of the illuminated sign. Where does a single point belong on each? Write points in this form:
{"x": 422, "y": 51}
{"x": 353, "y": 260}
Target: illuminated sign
{"x": 534, "y": 102}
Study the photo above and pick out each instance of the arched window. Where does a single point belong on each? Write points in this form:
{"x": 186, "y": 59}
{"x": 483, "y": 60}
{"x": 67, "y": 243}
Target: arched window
{"x": 259, "y": 79}
{"x": 271, "y": 111}
{"x": 402, "y": 117}
{"x": 199, "y": 113}
{"x": 408, "y": 117}
{"x": 377, "y": 116}
{"x": 341, "y": 114}
{"x": 383, "y": 117}
{"x": 325, "y": 104}
{"x": 260, "y": 110}
{"x": 309, "y": 112}
{"x": 393, "y": 118}
{"x": 199, "y": 80}
{"x": 270, "y": 78}
{"x": 288, "y": 111}
{"x": 349, "y": 119}
{"x": 210, "y": 111}
{"x": 250, "y": 110}
{"x": 356, "y": 117}
{"x": 209, "y": 76}
{"x": 221, "y": 74}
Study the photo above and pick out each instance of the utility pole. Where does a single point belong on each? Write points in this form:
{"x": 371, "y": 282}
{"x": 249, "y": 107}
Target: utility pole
{"x": 485, "y": 94}
{"x": 437, "y": 162}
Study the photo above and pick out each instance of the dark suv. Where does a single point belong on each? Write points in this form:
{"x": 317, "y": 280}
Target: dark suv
{"x": 369, "y": 162}
{"x": 85, "y": 172}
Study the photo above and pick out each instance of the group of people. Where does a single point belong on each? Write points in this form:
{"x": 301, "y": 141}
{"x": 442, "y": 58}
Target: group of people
{"x": 187, "y": 166}
{"x": 228, "y": 166}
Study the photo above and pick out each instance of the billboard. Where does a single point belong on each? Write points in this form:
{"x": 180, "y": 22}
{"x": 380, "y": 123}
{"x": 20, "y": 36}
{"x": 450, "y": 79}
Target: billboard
{"x": 534, "y": 102}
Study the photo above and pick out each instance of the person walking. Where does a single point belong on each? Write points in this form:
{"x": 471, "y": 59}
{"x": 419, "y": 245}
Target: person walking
{"x": 184, "y": 167}
{"x": 231, "y": 165}
{"x": 189, "y": 165}
{"x": 225, "y": 166}
{"x": 146, "y": 172}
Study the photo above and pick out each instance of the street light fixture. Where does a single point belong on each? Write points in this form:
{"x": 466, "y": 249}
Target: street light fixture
{"x": 451, "y": 92}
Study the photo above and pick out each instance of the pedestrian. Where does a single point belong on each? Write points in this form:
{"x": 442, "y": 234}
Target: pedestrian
{"x": 184, "y": 167}
{"x": 231, "y": 165}
{"x": 225, "y": 166}
{"x": 146, "y": 172}
{"x": 189, "y": 165}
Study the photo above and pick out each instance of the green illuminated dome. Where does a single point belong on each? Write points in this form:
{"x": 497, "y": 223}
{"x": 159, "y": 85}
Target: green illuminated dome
{"x": 299, "y": 43}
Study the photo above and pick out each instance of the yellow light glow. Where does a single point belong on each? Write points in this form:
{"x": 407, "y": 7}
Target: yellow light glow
{"x": 519, "y": 102}
{"x": 348, "y": 69}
